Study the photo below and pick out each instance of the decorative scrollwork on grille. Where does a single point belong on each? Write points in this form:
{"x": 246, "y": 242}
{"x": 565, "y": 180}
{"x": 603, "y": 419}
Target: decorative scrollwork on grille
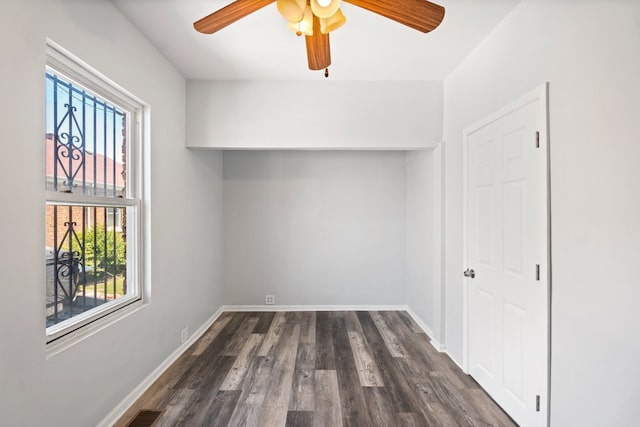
{"x": 68, "y": 273}
{"x": 69, "y": 151}
{"x": 69, "y": 262}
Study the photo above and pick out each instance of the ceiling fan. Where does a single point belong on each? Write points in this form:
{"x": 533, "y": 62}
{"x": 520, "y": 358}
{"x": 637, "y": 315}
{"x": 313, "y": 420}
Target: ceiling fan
{"x": 317, "y": 18}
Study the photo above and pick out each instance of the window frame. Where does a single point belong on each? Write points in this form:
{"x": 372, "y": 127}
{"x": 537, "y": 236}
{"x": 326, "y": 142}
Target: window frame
{"x": 64, "y": 64}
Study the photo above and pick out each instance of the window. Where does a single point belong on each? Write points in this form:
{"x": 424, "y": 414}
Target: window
{"x": 92, "y": 179}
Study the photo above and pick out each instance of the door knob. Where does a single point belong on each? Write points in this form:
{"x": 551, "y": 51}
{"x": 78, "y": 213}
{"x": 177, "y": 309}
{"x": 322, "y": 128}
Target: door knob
{"x": 469, "y": 273}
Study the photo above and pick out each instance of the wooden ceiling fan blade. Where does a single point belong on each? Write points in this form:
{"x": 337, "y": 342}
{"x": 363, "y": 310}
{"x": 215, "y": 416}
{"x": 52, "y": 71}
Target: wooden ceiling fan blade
{"x": 318, "y": 48}
{"x": 421, "y": 15}
{"x": 228, "y": 15}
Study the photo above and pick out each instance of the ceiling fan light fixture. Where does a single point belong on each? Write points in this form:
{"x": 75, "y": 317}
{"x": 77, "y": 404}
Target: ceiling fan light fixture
{"x": 292, "y": 10}
{"x": 332, "y": 23}
{"x": 324, "y": 9}
{"x": 305, "y": 26}
{"x": 317, "y": 18}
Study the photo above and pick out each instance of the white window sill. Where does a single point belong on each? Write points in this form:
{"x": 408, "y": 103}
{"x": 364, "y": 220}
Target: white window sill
{"x": 72, "y": 338}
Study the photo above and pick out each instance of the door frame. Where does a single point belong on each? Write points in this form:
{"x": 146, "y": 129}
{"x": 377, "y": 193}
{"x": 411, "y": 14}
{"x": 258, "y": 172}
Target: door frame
{"x": 541, "y": 93}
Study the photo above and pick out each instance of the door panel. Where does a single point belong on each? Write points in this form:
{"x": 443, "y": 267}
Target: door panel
{"x": 513, "y": 223}
{"x": 506, "y": 304}
{"x": 485, "y": 332}
{"x": 485, "y": 225}
{"x": 514, "y": 318}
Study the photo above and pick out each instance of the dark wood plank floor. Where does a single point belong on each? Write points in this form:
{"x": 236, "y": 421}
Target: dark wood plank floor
{"x": 316, "y": 369}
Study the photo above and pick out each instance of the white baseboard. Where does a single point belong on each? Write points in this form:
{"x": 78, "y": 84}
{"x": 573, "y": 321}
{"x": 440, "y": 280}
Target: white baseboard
{"x": 455, "y": 361}
{"x": 435, "y": 343}
{"x": 313, "y": 308}
{"x": 137, "y": 392}
{"x": 440, "y": 347}
{"x": 427, "y": 330}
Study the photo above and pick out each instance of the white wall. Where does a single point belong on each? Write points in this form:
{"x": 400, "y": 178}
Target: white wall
{"x": 319, "y": 114}
{"x": 588, "y": 51}
{"x": 314, "y": 227}
{"x": 79, "y": 386}
{"x": 423, "y": 239}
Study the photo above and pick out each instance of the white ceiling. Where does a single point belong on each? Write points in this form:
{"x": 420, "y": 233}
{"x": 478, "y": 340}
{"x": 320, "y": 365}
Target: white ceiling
{"x": 260, "y": 47}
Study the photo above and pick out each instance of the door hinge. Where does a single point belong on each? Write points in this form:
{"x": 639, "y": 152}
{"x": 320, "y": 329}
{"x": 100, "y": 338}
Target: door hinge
{"x": 538, "y": 403}
{"x": 537, "y": 139}
{"x": 538, "y": 272}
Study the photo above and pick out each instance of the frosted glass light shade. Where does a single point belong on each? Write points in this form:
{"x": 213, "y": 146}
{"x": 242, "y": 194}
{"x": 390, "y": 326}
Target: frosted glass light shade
{"x": 292, "y": 10}
{"x": 324, "y": 12}
{"x": 305, "y": 26}
{"x": 332, "y": 23}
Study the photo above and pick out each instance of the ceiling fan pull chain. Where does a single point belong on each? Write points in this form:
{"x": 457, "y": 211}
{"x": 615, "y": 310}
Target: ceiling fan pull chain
{"x": 326, "y": 72}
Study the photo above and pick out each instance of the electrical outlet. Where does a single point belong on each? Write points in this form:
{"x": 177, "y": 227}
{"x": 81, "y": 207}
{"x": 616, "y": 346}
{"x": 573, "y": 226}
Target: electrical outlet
{"x": 184, "y": 335}
{"x": 269, "y": 299}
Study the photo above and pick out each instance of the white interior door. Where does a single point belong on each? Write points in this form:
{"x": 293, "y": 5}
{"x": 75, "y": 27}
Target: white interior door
{"x": 507, "y": 249}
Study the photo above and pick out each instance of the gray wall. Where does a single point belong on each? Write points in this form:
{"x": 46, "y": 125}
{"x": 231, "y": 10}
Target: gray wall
{"x": 314, "y": 227}
{"x": 321, "y": 114}
{"x": 588, "y": 51}
{"x": 80, "y": 385}
{"x": 423, "y": 239}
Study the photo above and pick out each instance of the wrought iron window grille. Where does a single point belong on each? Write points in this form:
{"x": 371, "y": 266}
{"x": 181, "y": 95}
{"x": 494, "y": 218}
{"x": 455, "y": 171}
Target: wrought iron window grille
{"x": 88, "y": 254}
